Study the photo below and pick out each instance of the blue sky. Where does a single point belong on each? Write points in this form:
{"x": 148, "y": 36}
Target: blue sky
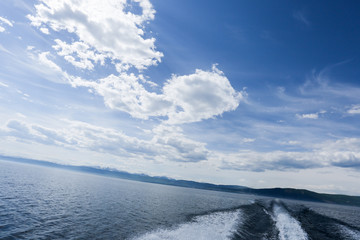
{"x": 255, "y": 93}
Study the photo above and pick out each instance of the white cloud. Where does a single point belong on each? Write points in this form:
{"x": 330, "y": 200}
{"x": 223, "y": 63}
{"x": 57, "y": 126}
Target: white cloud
{"x": 354, "y": 109}
{"x": 3, "y": 85}
{"x": 184, "y": 99}
{"x": 311, "y": 115}
{"x": 179, "y": 147}
{"x": 6, "y": 22}
{"x": 107, "y": 31}
{"x": 79, "y": 54}
{"x": 322, "y": 84}
{"x": 45, "y": 30}
{"x": 44, "y": 59}
{"x": 125, "y": 93}
{"x": 105, "y": 28}
{"x": 168, "y": 143}
{"x": 47, "y": 68}
{"x": 199, "y": 96}
{"x": 342, "y": 153}
{"x": 308, "y": 116}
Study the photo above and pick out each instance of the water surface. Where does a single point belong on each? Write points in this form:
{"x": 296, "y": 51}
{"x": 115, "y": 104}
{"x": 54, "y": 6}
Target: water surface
{"x": 39, "y": 202}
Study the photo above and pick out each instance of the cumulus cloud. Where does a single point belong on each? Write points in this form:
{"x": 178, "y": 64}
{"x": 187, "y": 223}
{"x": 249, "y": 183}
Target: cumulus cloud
{"x": 184, "y": 99}
{"x": 108, "y": 31}
{"x": 125, "y": 93}
{"x": 79, "y": 54}
{"x": 4, "y": 21}
{"x": 101, "y": 29}
{"x": 201, "y": 95}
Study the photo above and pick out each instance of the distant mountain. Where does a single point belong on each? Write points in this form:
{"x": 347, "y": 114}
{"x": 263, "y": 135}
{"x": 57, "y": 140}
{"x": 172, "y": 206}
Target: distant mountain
{"x": 289, "y": 193}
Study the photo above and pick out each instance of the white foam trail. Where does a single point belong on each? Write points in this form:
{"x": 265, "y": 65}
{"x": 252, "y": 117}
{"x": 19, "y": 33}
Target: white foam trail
{"x": 289, "y": 228}
{"x": 220, "y": 225}
{"x": 349, "y": 233}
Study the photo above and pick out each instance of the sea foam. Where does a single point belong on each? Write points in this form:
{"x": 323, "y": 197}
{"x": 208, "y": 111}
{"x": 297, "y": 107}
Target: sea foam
{"x": 289, "y": 228}
{"x": 218, "y": 225}
{"x": 349, "y": 233}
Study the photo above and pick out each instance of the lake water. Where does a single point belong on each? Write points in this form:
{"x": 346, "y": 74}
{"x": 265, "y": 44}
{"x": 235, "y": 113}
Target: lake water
{"x": 48, "y": 203}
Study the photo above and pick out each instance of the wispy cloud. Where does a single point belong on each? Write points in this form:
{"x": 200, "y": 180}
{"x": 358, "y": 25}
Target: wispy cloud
{"x": 4, "y": 21}
{"x": 308, "y": 116}
{"x": 340, "y": 153}
{"x": 3, "y": 85}
{"x": 168, "y": 143}
{"x": 301, "y": 17}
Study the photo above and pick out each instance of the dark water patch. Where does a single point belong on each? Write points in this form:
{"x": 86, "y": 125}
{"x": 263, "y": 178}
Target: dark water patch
{"x": 257, "y": 223}
{"x": 322, "y": 227}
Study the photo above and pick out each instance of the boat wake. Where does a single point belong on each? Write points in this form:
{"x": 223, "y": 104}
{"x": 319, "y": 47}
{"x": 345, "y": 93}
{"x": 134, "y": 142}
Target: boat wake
{"x": 261, "y": 220}
{"x": 218, "y": 225}
{"x": 289, "y": 227}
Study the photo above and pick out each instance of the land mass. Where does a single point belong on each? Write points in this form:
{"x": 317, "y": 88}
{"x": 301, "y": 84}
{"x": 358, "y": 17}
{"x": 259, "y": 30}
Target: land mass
{"x": 288, "y": 193}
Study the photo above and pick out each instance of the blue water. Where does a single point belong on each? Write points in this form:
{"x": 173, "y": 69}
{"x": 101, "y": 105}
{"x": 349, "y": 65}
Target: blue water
{"x": 48, "y": 203}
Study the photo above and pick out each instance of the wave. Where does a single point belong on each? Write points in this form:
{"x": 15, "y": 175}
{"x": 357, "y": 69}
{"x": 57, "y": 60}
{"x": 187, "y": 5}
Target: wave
{"x": 218, "y": 225}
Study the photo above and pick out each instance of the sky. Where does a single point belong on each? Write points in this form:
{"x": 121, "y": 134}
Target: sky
{"x": 253, "y": 93}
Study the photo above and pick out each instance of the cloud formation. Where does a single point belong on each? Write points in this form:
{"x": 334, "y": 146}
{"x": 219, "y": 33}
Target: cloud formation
{"x": 308, "y": 116}
{"x": 355, "y": 109}
{"x": 4, "y": 21}
{"x": 110, "y": 32}
{"x": 102, "y": 30}
{"x": 168, "y": 143}
{"x": 183, "y": 99}
{"x": 342, "y": 153}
